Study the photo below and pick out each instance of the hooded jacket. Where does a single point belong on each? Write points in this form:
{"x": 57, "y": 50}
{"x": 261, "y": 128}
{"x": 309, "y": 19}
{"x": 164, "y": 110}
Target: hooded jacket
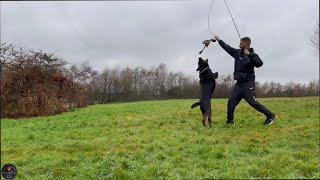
{"x": 243, "y": 64}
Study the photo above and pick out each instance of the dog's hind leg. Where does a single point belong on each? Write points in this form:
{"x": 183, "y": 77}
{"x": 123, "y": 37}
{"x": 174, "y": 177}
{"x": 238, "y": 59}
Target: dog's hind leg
{"x": 209, "y": 114}
{"x": 203, "y": 116}
{"x": 204, "y": 119}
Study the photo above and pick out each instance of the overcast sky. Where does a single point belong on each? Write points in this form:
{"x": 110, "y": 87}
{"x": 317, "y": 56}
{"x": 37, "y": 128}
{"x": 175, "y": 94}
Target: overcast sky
{"x": 146, "y": 33}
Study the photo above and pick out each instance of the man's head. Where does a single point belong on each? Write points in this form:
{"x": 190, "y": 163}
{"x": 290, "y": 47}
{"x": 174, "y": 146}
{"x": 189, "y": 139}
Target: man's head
{"x": 202, "y": 64}
{"x": 245, "y": 43}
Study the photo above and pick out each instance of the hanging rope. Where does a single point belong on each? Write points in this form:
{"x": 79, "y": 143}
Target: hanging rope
{"x": 209, "y": 14}
{"x": 207, "y": 42}
{"x": 232, "y": 18}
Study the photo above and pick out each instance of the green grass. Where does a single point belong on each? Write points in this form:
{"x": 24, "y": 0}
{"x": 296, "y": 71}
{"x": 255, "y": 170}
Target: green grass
{"x": 165, "y": 139}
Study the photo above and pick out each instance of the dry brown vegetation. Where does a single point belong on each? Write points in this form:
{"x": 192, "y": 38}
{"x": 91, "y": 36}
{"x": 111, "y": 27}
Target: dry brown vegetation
{"x": 37, "y": 83}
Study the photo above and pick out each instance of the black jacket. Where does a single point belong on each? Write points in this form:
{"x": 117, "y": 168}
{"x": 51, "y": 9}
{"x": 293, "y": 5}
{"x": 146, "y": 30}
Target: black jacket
{"x": 243, "y": 64}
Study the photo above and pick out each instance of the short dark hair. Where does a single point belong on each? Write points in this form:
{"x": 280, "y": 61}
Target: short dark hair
{"x": 247, "y": 39}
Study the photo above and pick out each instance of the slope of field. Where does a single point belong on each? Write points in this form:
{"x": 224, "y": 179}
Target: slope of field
{"x": 165, "y": 139}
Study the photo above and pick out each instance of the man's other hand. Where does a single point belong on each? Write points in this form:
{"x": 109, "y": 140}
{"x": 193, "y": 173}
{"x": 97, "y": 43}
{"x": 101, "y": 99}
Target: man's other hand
{"x": 246, "y": 51}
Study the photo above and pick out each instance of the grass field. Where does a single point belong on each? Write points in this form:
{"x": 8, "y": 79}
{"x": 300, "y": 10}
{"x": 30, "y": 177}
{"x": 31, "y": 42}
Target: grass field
{"x": 165, "y": 139}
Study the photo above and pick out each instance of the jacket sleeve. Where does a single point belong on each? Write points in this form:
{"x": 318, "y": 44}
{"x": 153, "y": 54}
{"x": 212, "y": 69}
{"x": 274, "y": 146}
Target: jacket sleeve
{"x": 230, "y": 50}
{"x": 257, "y": 62}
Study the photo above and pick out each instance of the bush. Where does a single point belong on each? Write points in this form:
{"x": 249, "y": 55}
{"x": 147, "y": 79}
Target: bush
{"x": 35, "y": 83}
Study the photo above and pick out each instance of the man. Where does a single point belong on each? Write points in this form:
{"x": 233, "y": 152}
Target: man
{"x": 245, "y": 62}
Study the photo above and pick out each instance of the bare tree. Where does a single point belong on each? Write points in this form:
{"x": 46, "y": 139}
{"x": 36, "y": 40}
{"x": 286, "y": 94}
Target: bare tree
{"x": 315, "y": 40}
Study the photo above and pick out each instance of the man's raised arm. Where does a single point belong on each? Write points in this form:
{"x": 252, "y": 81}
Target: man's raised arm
{"x": 230, "y": 50}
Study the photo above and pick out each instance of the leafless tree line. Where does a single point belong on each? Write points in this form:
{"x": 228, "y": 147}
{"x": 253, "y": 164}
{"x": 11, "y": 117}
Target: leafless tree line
{"x": 131, "y": 84}
{"x": 139, "y": 83}
{"x": 37, "y": 83}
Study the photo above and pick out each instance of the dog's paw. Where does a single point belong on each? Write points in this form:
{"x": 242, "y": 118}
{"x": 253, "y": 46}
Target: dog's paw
{"x": 215, "y": 75}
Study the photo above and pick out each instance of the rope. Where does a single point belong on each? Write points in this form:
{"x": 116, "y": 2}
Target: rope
{"x": 232, "y": 18}
{"x": 209, "y": 29}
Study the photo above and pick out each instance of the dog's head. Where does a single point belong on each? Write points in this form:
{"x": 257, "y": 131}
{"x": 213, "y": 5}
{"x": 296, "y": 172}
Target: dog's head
{"x": 202, "y": 64}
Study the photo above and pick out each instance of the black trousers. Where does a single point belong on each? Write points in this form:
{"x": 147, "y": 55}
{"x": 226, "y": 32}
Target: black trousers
{"x": 245, "y": 90}
{"x": 207, "y": 89}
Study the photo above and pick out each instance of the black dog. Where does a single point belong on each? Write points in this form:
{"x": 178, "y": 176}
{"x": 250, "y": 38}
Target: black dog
{"x": 208, "y": 84}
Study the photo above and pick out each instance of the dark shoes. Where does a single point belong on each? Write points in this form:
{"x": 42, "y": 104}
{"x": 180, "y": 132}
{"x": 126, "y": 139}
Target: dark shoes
{"x": 270, "y": 120}
{"x": 230, "y": 122}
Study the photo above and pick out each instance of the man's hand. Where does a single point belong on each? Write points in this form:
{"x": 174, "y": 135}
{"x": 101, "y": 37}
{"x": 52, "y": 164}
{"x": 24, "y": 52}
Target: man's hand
{"x": 216, "y": 38}
{"x": 246, "y": 51}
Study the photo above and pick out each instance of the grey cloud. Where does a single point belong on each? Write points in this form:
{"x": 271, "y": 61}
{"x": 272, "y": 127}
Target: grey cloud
{"x": 148, "y": 33}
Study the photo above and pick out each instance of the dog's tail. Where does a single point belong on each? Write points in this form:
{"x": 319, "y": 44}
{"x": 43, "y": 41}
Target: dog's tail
{"x": 195, "y": 105}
